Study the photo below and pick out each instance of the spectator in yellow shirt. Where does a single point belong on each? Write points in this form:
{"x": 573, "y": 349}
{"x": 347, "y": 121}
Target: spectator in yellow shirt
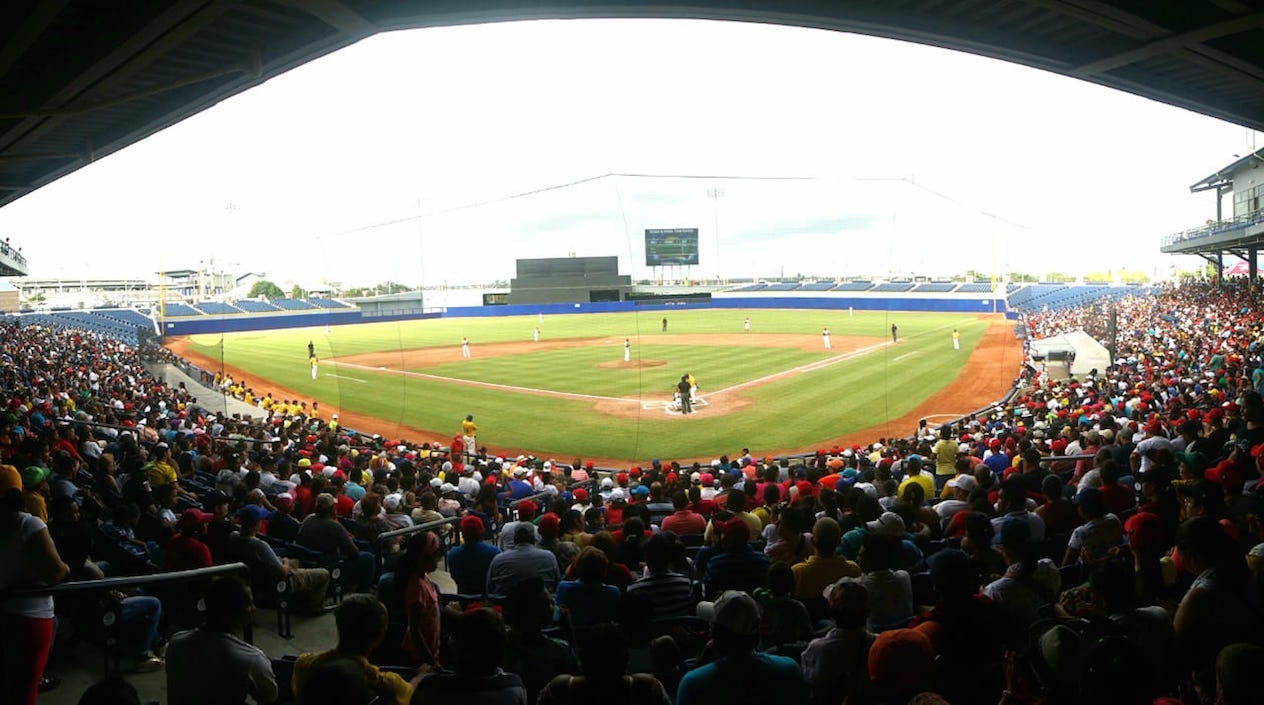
{"x": 361, "y": 623}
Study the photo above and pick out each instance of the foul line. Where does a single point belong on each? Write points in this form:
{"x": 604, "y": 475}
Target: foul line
{"x": 488, "y": 385}
{"x": 349, "y": 379}
{"x": 810, "y": 367}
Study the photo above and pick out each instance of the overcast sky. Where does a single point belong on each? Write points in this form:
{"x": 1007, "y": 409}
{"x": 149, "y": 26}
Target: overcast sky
{"x": 907, "y": 159}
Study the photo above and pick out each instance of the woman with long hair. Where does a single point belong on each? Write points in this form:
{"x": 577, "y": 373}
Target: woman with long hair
{"x": 28, "y": 559}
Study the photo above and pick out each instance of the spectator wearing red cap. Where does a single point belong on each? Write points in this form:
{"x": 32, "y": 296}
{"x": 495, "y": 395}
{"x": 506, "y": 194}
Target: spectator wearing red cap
{"x": 524, "y": 514}
{"x": 281, "y": 522}
{"x": 995, "y": 457}
{"x": 580, "y": 495}
{"x": 736, "y": 566}
{"x": 186, "y": 549}
{"x": 421, "y": 597}
{"x": 468, "y": 562}
{"x": 901, "y": 662}
{"x": 549, "y": 529}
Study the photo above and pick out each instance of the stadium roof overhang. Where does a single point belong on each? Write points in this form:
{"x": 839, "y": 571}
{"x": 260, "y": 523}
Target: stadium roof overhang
{"x": 1222, "y": 180}
{"x": 81, "y": 79}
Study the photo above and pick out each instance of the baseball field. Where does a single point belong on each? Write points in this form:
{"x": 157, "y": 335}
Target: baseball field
{"x": 773, "y": 388}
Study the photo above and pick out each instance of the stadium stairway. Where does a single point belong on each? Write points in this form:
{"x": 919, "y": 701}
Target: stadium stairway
{"x": 212, "y": 399}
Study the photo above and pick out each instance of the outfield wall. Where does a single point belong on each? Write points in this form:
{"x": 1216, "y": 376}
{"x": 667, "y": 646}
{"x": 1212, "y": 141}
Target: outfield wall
{"x": 194, "y": 325}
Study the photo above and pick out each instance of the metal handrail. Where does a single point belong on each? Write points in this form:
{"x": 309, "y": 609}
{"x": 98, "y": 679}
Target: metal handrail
{"x": 418, "y": 528}
{"x": 81, "y": 586}
{"x": 111, "y": 610}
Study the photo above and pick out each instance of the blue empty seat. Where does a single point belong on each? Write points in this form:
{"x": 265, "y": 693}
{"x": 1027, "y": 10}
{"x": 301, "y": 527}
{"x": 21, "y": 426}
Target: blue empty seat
{"x": 894, "y": 287}
{"x": 252, "y": 306}
{"x": 175, "y": 310}
{"x": 975, "y": 288}
{"x": 216, "y": 308}
{"x": 325, "y": 303}
{"x": 854, "y": 286}
{"x": 293, "y": 305}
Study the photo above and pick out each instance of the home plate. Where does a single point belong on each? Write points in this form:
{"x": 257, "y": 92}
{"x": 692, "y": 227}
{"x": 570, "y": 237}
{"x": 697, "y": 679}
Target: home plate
{"x": 670, "y": 407}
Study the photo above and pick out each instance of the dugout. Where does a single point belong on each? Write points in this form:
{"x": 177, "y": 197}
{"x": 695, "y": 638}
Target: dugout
{"x": 563, "y": 280}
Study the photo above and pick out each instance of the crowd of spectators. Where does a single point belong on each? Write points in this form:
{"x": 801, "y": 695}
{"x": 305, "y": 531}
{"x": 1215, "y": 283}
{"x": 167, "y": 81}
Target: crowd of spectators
{"x": 1098, "y": 539}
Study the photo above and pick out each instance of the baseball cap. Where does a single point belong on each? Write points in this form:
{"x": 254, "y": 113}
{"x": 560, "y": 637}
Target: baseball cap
{"x": 1090, "y": 498}
{"x": 963, "y": 482}
{"x": 1144, "y": 529}
{"x": 734, "y": 528}
{"x": 214, "y": 498}
{"x": 549, "y": 524}
{"x": 734, "y": 611}
{"x": 33, "y": 475}
{"x": 392, "y": 501}
{"x": 580, "y": 494}
{"x": 10, "y": 478}
{"x": 1196, "y": 461}
{"x": 446, "y": 488}
{"x": 899, "y": 658}
{"x": 889, "y": 524}
{"x": 191, "y": 519}
{"x": 526, "y": 509}
{"x": 283, "y": 501}
{"x": 472, "y": 527}
{"x": 606, "y": 483}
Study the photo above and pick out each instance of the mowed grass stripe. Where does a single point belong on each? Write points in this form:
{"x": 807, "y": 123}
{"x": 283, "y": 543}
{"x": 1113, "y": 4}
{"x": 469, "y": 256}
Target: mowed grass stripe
{"x": 789, "y": 412}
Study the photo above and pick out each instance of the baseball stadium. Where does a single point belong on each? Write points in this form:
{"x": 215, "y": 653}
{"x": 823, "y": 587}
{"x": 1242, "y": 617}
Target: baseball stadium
{"x": 380, "y": 352}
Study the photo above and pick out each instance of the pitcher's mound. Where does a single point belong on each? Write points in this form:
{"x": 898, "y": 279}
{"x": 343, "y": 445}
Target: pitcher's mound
{"x": 632, "y": 365}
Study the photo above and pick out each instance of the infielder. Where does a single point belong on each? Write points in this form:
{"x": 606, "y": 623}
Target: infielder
{"x": 746, "y": 325}
{"x": 956, "y": 339}
{"x": 465, "y": 347}
{"x": 825, "y": 338}
{"x": 535, "y": 335}
{"x": 627, "y": 350}
{"x": 312, "y": 361}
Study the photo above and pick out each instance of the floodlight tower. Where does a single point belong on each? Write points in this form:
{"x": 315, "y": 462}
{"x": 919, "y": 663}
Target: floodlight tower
{"x": 715, "y": 195}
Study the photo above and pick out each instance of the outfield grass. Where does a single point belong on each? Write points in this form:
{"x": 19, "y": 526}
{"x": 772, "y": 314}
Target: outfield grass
{"x": 792, "y": 412}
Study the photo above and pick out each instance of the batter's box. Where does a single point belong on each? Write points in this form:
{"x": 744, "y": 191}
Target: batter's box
{"x": 671, "y": 407}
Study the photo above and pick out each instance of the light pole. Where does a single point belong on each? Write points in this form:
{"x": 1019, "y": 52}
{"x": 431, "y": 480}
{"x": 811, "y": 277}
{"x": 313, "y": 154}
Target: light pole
{"x": 715, "y": 195}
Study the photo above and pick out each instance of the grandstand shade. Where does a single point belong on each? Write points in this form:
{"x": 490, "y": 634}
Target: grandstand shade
{"x": 133, "y": 73}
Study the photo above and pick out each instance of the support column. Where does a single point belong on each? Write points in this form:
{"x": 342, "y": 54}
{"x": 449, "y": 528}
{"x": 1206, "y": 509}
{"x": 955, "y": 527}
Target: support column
{"x": 1250, "y": 264}
{"x": 1219, "y": 268}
